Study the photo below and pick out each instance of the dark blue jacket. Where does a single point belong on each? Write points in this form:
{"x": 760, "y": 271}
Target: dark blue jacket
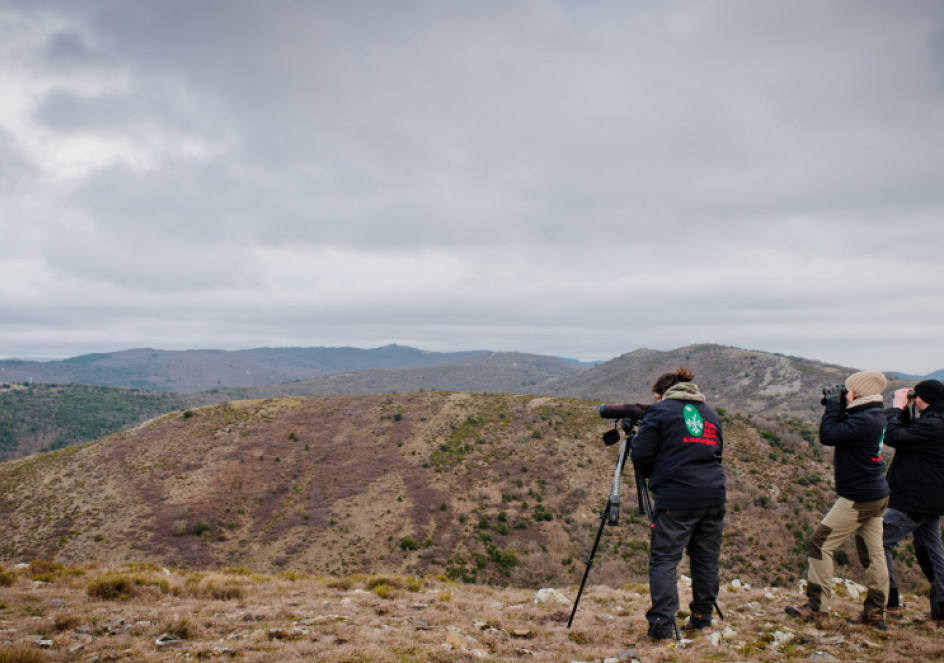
{"x": 682, "y": 462}
{"x": 916, "y": 475}
{"x": 857, "y": 460}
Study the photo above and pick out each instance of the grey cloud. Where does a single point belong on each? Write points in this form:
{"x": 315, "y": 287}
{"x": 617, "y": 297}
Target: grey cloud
{"x": 15, "y": 168}
{"x": 603, "y": 174}
{"x": 68, "y": 50}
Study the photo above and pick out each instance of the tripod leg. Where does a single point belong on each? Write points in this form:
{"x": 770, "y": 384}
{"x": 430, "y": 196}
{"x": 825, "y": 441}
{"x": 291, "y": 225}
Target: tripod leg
{"x": 604, "y": 515}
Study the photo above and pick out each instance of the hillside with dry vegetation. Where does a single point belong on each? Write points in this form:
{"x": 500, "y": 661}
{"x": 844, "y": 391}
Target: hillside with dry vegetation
{"x": 494, "y": 488}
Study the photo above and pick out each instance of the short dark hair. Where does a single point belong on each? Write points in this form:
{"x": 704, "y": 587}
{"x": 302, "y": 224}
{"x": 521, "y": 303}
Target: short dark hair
{"x": 666, "y": 380}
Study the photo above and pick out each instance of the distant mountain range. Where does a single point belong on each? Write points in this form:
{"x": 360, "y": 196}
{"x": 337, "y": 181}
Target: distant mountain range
{"x": 197, "y": 370}
{"x": 34, "y": 416}
{"x": 936, "y": 375}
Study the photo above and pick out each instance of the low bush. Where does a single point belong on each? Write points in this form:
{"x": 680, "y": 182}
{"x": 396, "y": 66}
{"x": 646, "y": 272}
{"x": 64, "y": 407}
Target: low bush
{"x": 111, "y": 587}
{"x": 21, "y": 654}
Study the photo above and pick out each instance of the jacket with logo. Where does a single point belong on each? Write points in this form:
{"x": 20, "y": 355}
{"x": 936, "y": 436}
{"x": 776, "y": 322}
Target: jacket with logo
{"x": 916, "y": 475}
{"x": 858, "y": 439}
{"x": 678, "y": 448}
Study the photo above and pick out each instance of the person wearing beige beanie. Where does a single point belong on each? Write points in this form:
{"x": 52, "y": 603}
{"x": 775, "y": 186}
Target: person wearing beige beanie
{"x": 857, "y": 437}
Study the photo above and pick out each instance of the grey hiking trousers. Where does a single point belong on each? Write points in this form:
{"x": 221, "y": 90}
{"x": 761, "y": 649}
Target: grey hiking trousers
{"x": 698, "y": 532}
{"x": 929, "y": 552}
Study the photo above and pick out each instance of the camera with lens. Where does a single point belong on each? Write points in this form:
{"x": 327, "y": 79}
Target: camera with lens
{"x": 630, "y": 413}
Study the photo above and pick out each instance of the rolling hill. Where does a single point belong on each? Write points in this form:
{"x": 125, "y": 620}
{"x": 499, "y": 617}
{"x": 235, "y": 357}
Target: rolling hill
{"x": 746, "y": 381}
{"x": 477, "y": 487}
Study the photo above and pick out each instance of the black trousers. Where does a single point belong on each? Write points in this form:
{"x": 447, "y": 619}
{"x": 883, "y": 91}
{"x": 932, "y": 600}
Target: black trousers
{"x": 698, "y": 532}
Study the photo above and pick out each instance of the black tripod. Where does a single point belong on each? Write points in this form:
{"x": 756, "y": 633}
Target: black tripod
{"x": 610, "y": 513}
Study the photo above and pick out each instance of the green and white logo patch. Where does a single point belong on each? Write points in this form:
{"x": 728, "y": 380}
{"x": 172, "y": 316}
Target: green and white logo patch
{"x": 693, "y": 421}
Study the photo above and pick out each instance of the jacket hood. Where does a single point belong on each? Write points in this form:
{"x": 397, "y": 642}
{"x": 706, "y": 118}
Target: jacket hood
{"x": 684, "y": 391}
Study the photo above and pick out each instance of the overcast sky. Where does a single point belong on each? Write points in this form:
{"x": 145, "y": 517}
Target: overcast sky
{"x": 563, "y": 177}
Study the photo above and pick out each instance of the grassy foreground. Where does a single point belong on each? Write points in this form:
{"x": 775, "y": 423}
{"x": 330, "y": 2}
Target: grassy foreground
{"x": 142, "y": 612}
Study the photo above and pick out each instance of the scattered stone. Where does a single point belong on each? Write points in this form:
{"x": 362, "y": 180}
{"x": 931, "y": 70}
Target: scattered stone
{"x": 21, "y": 566}
{"x": 421, "y": 625}
{"x": 75, "y": 649}
{"x": 853, "y": 589}
{"x": 769, "y": 596}
{"x": 781, "y": 638}
{"x": 167, "y": 641}
{"x": 58, "y": 603}
{"x": 685, "y": 580}
{"x": 455, "y": 641}
{"x": 278, "y": 633}
{"x": 833, "y": 640}
{"x": 83, "y": 629}
{"x": 523, "y": 652}
{"x": 626, "y": 655}
{"x": 223, "y": 651}
{"x": 755, "y": 607}
{"x": 549, "y": 595}
{"x": 735, "y": 584}
{"x": 115, "y": 626}
{"x": 46, "y": 644}
{"x": 521, "y": 633}
{"x": 870, "y": 644}
{"x": 822, "y": 656}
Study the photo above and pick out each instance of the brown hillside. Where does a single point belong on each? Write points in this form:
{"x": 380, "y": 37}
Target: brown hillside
{"x": 486, "y": 487}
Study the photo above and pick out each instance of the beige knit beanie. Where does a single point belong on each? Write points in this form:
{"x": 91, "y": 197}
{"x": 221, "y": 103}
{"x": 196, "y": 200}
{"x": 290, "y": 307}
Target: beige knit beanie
{"x": 867, "y": 383}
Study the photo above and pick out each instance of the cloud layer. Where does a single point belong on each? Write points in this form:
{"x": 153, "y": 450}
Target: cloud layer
{"x": 566, "y": 178}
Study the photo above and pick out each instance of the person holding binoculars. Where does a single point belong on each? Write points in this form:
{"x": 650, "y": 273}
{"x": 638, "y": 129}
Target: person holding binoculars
{"x": 856, "y": 432}
{"x": 916, "y": 480}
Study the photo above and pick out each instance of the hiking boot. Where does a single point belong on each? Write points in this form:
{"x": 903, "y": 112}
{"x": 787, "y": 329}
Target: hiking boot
{"x": 876, "y": 621}
{"x": 697, "y": 622}
{"x": 806, "y": 613}
{"x": 661, "y": 632}
{"x": 896, "y": 613}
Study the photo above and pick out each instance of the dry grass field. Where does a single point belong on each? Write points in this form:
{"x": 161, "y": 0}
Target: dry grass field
{"x": 141, "y": 612}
